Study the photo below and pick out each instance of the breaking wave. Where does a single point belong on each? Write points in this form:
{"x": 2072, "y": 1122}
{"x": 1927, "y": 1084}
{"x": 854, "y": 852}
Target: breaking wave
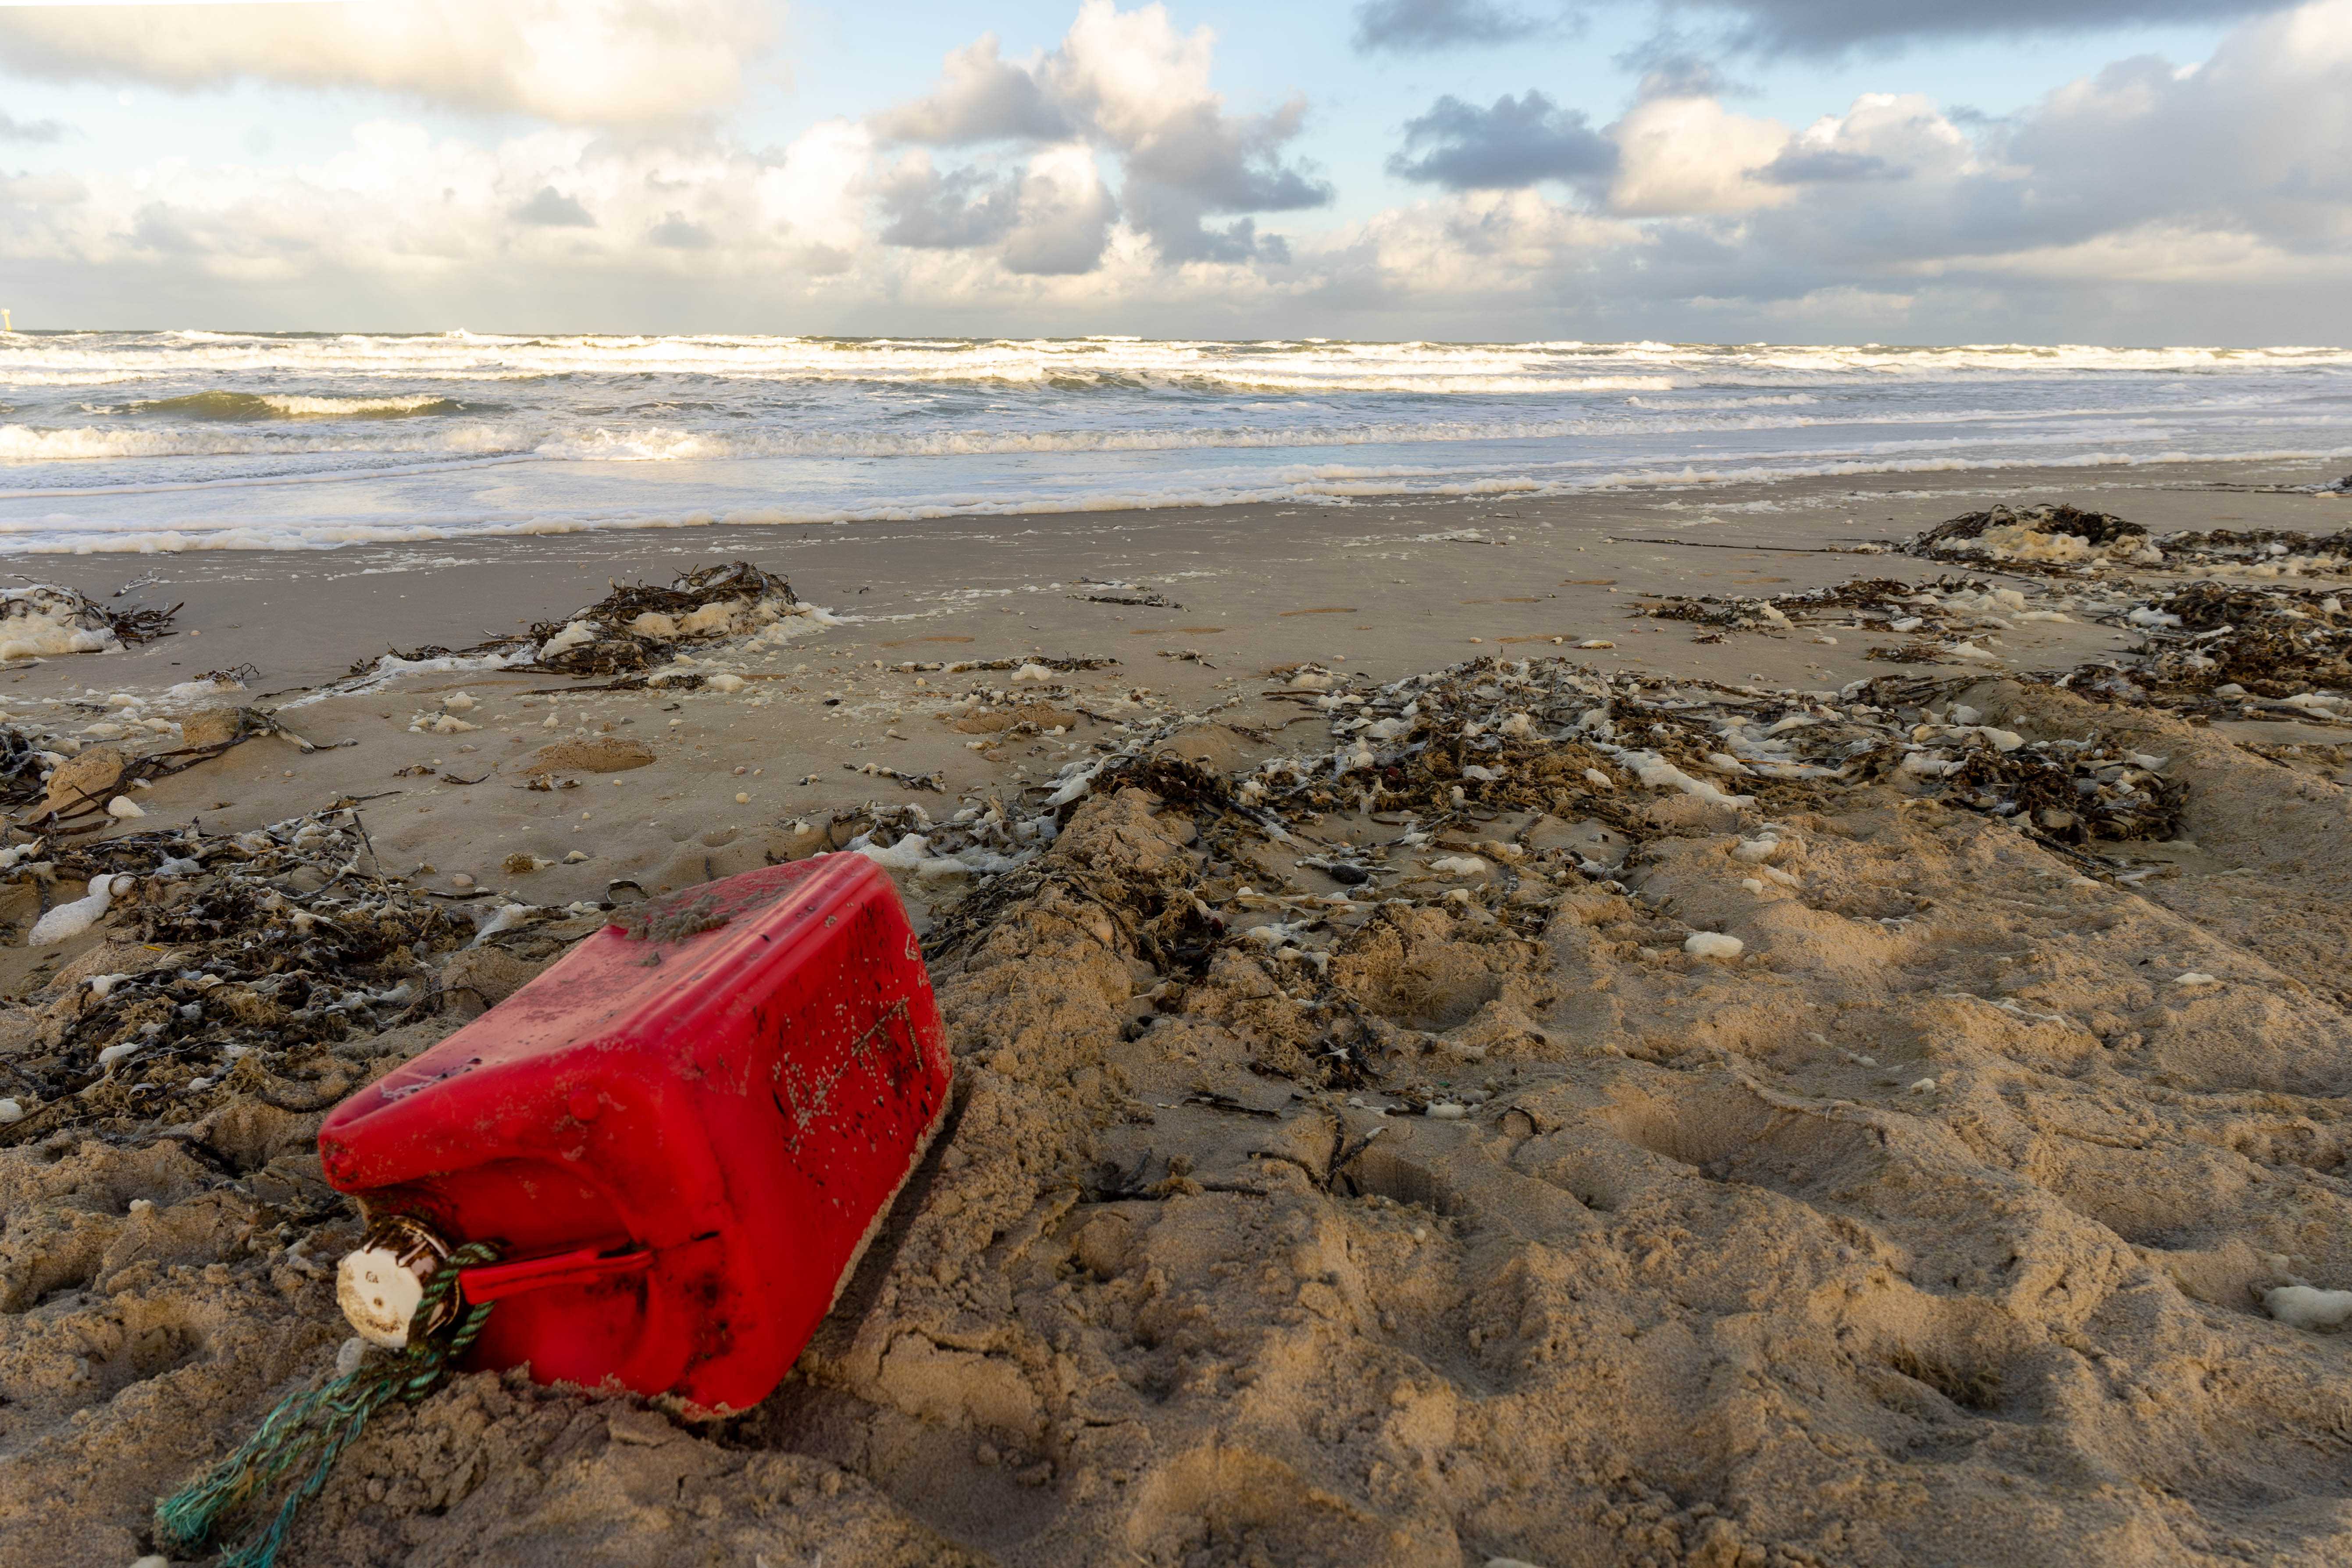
{"x": 253, "y": 406}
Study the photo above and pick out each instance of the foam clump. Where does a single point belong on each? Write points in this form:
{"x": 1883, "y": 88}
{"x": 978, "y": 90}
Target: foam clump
{"x": 2308, "y": 1307}
{"x": 69, "y": 921}
{"x": 41, "y": 622}
{"x": 1713, "y": 944}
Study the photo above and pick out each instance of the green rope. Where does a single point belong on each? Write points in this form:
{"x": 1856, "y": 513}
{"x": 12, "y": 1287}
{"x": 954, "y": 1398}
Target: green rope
{"x": 315, "y": 1427}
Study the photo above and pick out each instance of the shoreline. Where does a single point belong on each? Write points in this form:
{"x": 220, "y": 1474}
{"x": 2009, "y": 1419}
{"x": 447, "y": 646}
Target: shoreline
{"x": 302, "y": 616}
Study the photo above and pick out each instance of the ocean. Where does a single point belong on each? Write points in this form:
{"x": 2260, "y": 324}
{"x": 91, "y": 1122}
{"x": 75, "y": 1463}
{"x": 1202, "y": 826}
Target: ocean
{"x": 202, "y": 440}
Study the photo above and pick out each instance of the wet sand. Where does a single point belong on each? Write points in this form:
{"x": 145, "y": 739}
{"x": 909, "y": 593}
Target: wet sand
{"x": 1932, "y": 1225}
{"x": 1246, "y": 572}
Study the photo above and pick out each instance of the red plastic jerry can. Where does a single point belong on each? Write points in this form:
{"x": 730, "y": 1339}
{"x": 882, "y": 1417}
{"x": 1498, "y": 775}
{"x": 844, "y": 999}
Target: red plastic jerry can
{"x": 681, "y": 1137}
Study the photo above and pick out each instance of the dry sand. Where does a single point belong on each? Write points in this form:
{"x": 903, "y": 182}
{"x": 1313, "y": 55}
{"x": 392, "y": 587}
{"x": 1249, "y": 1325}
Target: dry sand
{"x": 1931, "y": 1229}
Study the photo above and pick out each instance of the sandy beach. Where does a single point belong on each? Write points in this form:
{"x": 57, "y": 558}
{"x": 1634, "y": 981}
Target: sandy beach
{"x": 1475, "y": 1042}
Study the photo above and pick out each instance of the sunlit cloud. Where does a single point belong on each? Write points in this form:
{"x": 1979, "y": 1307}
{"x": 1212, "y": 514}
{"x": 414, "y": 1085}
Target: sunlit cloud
{"x": 610, "y": 62}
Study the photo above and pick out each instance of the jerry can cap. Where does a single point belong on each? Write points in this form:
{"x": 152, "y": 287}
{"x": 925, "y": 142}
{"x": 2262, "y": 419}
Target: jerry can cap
{"x": 379, "y": 1284}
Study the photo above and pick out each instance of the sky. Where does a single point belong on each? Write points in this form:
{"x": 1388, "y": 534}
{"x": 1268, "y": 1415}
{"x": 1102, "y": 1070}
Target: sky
{"x": 1829, "y": 171}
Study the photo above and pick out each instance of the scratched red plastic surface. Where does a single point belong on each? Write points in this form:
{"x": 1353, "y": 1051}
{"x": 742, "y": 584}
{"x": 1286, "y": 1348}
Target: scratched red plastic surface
{"x": 743, "y": 1102}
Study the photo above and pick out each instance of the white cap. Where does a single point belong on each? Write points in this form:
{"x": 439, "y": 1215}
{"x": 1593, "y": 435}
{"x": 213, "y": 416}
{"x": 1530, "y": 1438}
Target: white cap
{"x": 379, "y": 1293}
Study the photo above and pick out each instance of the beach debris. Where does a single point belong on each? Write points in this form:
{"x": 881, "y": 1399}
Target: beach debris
{"x": 1130, "y": 594}
{"x": 75, "y": 791}
{"x": 1065, "y": 665}
{"x": 1948, "y": 606}
{"x": 43, "y": 620}
{"x": 310, "y": 1429}
{"x": 2259, "y": 552}
{"x": 2227, "y": 648}
{"x": 598, "y": 1052}
{"x": 631, "y": 632}
{"x": 935, "y": 782}
{"x": 2065, "y": 540}
{"x": 237, "y": 963}
{"x": 2039, "y": 538}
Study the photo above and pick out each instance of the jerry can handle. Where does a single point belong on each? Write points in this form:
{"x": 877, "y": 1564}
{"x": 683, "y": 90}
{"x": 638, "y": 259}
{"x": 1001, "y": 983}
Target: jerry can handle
{"x": 583, "y": 1265}
{"x": 381, "y": 1285}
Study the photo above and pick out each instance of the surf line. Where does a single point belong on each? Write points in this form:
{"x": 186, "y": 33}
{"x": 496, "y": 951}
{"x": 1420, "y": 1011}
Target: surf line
{"x": 66, "y": 492}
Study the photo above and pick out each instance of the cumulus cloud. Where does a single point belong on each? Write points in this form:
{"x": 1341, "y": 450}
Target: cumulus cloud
{"x": 576, "y": 61}
{"x": 959, "y": 210}
{"x": 1514, "y": 143}
{"x": 1063, "y": 216}
{"x": 1407, "y": 25}
{"x": 1680, "y": 156}
{"x": 1052, "y": 217}
{"x": 1129, "y": 84}
{"x": 980, "y": 98}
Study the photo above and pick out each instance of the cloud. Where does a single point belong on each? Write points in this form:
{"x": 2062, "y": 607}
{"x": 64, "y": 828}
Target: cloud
{"x": 2147, "y": 201}
{"x": 1833, "y": 26}
{"x": 1411, "y": 25}
{"x": 676, "y": 232}
{"x": 573, "y": 61}
{"x": 955, "y": 211}
{"x": 14, "y": 130}
{"x": 1796, "y": 165}
{"x": 980, "y": 98}
{"x": 1051, "y": 218}
{"x": 1063, "y": 216}
{"x": 1129, "y": 84}
{"x": 1683, "y": 156}
{"x": 551, "y": 208}
{"x": 1514, "y": 143}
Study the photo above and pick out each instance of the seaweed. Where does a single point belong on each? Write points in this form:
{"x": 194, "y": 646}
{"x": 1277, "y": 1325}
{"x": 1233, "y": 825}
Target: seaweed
{"x": 247, "y": 956}
{"x": 610, "y": 641}
{"x": 2212, "y": 648}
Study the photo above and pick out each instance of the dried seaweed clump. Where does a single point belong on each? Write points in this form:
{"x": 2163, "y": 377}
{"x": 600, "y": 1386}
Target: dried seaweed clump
{"x": 2041, "y": 538}
{"x": 61, "y": 778}
{"x": 241, "y": 958}
{"x": 1156, "y": 910}
{"x": 25, "y": 761}
{"x": 2216, "y": 647}
{"x": 635, "y": 628}
{"x": 1862, "y": 604}
{"x": 2260, "y": 551}
{"x": 1458, "y": 749}
{"x": 630, "y": 630}
{"x": 2071, "y": 791}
